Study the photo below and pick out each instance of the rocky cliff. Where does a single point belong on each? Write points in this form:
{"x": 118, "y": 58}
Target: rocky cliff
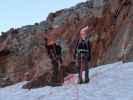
{"x": 23, "y": 54}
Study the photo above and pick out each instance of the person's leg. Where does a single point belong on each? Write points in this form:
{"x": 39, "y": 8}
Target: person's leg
{"x": 55, "y": 71}
{"x": 80, "y": 72}
{"x": 62, "y": 74}
{"x": 86, "y": 71}
{"x": 61, "y": 70}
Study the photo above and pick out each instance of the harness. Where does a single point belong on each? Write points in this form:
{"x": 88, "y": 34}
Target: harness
{"x": 81, "y": 53}
{"x": 82, "y": 50}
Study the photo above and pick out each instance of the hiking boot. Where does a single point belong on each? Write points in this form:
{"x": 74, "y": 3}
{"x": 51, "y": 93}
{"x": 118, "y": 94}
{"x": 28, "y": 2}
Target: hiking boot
{"x": 87, "y": 81}
{"x": 80, "y": 81}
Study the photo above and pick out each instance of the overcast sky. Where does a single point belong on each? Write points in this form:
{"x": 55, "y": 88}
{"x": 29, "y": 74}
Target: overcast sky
{"x": 16, "y": 13}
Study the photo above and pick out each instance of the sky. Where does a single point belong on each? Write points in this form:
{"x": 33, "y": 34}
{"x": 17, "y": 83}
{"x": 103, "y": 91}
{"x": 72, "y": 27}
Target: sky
{"x": 17, "y": 13}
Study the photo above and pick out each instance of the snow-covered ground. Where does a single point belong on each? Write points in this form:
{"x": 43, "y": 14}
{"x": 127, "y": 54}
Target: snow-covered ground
{"x": 108, "y": 82}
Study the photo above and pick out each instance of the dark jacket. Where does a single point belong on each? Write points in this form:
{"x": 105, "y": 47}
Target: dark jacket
{"x": 54, "y": 51}
{"x": 84, "y": 47}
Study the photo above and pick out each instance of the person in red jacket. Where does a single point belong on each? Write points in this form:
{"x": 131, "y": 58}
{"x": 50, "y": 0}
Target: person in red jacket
{"x": 83, "y": 55}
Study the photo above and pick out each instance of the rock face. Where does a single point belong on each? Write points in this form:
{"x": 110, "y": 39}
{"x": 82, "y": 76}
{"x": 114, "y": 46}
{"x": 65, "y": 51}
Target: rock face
{"x": 23, "y": 54}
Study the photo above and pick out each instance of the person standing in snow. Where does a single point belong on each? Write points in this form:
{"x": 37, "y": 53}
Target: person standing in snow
{"x": 83, "y": 55}
{"x": 54, "y": 51}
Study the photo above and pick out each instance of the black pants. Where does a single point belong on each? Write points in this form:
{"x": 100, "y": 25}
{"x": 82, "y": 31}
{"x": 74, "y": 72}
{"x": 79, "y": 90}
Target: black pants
{"x": 57, "y": 71}
{"x": 83, "y": 65}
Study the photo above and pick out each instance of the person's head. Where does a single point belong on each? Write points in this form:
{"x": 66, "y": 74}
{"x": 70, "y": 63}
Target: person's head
{"x": 50, "y": 41}
{"x": 83, "y": 35}
{"x": 83, "y": 32}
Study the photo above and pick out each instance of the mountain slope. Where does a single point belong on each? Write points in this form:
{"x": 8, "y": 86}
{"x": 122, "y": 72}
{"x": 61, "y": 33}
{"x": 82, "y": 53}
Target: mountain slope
{"x": 108, "y": 82}
{"x": 110, "y": 22}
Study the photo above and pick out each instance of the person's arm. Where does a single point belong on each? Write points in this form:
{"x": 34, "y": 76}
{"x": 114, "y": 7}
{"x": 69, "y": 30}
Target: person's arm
{"x": 58, "y": 50}
{"x": 89, "y": 47}
{"x": 75, "y": 49}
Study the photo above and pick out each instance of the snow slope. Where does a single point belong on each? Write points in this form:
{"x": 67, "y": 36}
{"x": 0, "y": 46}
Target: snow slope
{"x": 108, "y": 82}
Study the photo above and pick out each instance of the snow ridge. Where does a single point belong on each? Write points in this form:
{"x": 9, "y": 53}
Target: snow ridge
{"x": 108, "y": 82}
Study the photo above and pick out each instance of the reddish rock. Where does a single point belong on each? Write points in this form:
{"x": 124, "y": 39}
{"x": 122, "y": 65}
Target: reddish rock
{"x": 110, "y": 31}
